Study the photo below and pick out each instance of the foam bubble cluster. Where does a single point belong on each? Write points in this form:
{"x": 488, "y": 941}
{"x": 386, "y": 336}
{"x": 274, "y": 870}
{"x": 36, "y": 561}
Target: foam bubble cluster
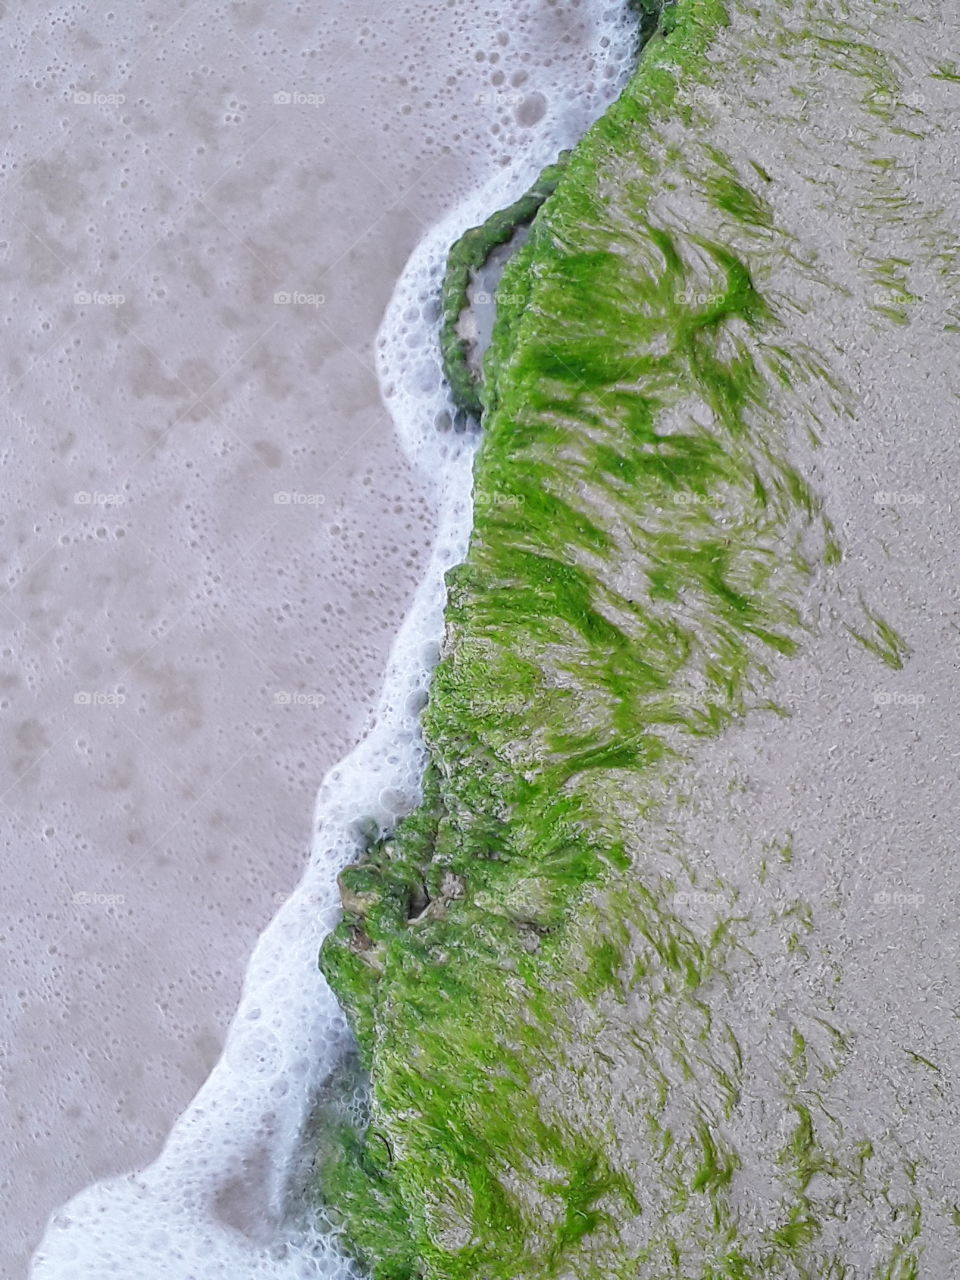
{"x": 217, "y": 1202}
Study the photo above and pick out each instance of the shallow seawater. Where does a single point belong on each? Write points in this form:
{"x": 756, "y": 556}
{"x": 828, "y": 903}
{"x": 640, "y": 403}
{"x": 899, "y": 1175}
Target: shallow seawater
{"x": 219, "y": 528}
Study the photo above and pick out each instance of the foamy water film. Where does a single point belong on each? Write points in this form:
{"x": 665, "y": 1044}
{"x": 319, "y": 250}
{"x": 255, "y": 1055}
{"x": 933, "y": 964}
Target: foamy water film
{"x": 234, "y": 491}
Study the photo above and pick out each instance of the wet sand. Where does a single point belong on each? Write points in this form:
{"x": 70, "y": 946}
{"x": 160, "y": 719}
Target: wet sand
{"x": 210, "y": 533}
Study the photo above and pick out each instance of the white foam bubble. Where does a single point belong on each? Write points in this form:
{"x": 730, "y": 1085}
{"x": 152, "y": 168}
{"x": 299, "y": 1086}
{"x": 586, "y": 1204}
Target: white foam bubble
{"x": 245, "y": 1126}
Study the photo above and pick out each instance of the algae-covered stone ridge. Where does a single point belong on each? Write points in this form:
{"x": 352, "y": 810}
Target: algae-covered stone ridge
{"x": 660, "y": 979}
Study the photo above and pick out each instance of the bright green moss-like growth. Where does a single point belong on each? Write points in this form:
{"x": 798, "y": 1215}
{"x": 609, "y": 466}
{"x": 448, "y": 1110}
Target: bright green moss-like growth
{"x": 542, "y": 979}
{"x": 467, "y": 256}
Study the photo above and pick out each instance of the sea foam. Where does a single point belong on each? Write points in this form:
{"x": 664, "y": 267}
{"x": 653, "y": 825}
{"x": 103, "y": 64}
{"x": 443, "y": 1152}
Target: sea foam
{"x": 245, "y": 1128}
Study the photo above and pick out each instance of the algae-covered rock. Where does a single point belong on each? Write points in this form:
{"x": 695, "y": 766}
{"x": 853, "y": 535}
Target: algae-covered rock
{"x": 361, "y": 888}
{"x": 622, "y": 990}
{"x": 467, "y": 256}
{"x": 529, "y": 900}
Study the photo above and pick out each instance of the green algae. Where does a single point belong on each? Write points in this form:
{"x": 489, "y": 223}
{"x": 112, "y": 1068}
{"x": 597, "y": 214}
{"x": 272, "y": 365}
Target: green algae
{"x": 626, "y": 597}
{"x": 882, "y": 640}
{"x": 468, "y": 255}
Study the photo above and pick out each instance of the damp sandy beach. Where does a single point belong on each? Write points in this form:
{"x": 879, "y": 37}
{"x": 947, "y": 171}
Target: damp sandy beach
{"x": 210, "y": 534}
